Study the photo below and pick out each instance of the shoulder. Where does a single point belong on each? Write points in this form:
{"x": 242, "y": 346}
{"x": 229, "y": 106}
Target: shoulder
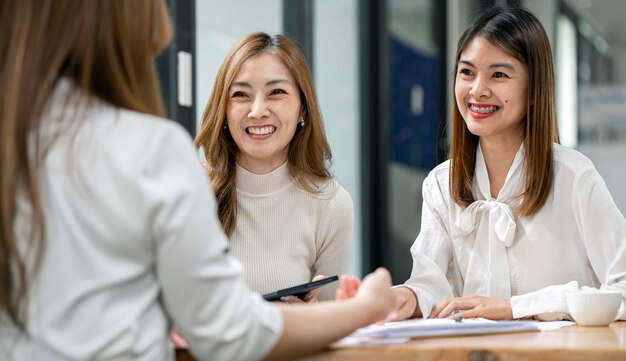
{"x": 338, "y": 210}
{"x": 576, "y": 173}
{"x": 439, "y": 177}
{"x": 332, "y": 193}
{"x": 147, "y": 127}
{"x": 341, "y": 196}
{"x": 436, "y": 189}
{"x": 135, "y": 142}
{"x": 569, "y": 161}
{"x": 142, "y": 132}
{"x": 332, "y": 189}
{"x": 441, "y": 171}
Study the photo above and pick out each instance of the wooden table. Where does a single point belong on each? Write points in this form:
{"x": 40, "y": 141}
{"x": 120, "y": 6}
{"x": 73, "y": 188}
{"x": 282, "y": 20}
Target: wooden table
{"x": 568, "y": 343}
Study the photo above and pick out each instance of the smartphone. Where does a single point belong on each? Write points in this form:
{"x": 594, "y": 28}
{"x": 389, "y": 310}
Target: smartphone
{"x": 300, "y": 290}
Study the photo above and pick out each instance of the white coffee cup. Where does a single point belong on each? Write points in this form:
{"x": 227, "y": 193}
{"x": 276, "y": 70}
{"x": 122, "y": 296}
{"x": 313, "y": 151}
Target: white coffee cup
{"x": 594, "y": 307}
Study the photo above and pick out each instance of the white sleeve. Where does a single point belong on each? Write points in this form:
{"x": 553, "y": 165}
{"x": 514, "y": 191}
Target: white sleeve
{"x": 603, "y": 231}
{"x": 547, "y": 304}
{"x": 201, "y": 285}
{"x": 431, "y": 251}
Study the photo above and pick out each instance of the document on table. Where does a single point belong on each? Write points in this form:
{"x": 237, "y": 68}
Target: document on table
{"x": 444, "y": 327}
{"x": 402, "y": 331}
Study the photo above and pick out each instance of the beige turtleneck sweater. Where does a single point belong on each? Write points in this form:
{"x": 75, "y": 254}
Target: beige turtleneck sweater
{"x": 285, "y": 235}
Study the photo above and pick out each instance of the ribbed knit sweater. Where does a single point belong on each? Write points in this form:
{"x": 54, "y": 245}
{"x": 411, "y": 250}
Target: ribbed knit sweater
{"x": 286, "y": 235}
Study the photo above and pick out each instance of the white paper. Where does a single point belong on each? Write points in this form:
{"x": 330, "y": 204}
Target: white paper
{"x": 393, "y": 333}
{"x": 444, "y": 327}
{"x": 553, "y": 325}
{"x": 361, "y": 341}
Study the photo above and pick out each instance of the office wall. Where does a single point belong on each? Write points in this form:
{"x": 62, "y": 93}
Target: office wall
{"x": 546, "y": 12}
{"x": 620, "y": 69}
{"x": 337, "y": 80}
{"x": 219, "y": 25}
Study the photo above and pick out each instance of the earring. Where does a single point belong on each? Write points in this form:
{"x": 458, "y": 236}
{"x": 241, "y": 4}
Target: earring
{"x": 301, "y": 121}
{"x": 225, "y": 126}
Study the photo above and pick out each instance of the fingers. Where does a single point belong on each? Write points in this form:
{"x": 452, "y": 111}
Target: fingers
{"x": 383, "y": 273}
{"x": 291, "y": 299}
{"x": 352, "y": 285}
{"x": 348, "y": 287}
{"x": 437, "y": 310}
{"x": 178, "y": 340}
{"x": 471, "y": 313}
{"x": 396, "y": 315}
{"x": 447, "y": 307}
{"x": 405, "y": 304}
{"x": 340, "y": 294}
{"x": 486, "y": 307}
{"x": 311, "y": 297}
{"x": 474, "y": 306}
{"x": 378, "y": 278}
{"x": 399, "y": 312}
{"x": 318, "y": 277}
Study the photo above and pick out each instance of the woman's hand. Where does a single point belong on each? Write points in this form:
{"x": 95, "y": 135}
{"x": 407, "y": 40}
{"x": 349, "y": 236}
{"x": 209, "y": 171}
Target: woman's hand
{"x": 348, "y": 286}
{"x": 177, "y": 339}
{"x": 406, "y": 304}
{"x": 376, "y": 296}
{"x": 310, "y": 297}
{"x": 406, "y": 301}
{"x": 474, "y": 306}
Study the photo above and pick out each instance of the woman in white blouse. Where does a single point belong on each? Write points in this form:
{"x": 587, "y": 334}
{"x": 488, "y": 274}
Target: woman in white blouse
{"x": 288, "y": 221}
{"x": 513, "y": 220}
{"x": 108, "y": 230}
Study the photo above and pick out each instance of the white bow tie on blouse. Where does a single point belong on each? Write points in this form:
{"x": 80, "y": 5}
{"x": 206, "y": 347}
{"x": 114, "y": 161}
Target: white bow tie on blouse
{"x": 494, "y": 221}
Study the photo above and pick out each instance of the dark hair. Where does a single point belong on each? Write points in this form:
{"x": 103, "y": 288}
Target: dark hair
{"x": 106, "y": 48}
{"x": 309, "y": 154}
{"x": 519, "y": 33}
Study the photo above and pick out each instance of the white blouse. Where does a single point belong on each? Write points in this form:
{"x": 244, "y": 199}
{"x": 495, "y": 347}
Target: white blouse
{"x": 133, "y": 244}
{"x": 577, "y": 239}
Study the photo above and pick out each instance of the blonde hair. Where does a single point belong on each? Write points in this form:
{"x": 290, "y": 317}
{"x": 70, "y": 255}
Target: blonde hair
{"x": 309, "y": 154}
{"x": 519, "y": 33}
{"x": 106, "y": 48}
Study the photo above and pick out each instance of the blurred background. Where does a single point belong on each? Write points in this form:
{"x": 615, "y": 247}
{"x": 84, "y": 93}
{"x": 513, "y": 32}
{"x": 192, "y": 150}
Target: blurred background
{"x": 383, "y": 71}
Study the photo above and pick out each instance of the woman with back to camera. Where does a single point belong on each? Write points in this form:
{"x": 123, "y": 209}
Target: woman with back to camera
{"x": 108, "y": 233}
{"x": 288, "y": 221}
{"x": 513, "y": 221}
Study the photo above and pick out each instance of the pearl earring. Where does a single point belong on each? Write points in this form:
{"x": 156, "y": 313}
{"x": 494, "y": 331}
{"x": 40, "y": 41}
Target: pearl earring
{"x": 225, "y": 126}
{"x": 301, "y": 120}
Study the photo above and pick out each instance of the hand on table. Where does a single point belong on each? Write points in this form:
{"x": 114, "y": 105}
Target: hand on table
{"x": 406, "y": 304}
{"x": 474, "y": 306}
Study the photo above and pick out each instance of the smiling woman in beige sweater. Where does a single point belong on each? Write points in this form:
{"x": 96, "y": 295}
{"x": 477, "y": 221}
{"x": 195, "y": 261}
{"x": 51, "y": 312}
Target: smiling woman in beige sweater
{"x": 267, "y": 155}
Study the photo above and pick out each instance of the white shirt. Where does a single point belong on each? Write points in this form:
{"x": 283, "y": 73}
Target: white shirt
{"x": 286, "y": 235}
{"x": 132, "y": 244}
{"x": 578, "y": 238}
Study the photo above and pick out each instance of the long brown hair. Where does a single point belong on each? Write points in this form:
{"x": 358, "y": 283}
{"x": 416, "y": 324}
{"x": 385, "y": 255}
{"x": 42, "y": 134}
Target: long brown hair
{"x": 520, "y": 34}
{"x": 106, "y": 48}
{"x": 309, "y": 154}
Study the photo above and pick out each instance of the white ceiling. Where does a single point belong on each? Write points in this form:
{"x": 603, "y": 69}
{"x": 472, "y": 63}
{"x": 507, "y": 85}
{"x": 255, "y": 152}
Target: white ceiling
{"x": 607, "y": 17}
